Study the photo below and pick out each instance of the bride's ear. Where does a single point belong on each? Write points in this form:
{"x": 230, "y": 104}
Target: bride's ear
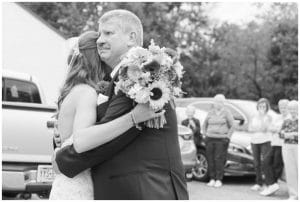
{"x": 132, "y": 39}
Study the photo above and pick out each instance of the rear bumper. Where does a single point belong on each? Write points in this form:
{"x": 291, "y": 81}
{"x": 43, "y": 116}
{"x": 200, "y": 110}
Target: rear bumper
{"x": 189, "y": 158}
{"x": 189, "y": 167}
{"x": 22, "y": 178}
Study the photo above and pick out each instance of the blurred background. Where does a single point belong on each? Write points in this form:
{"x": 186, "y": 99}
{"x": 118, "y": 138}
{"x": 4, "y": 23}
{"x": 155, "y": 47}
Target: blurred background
{"x": 242, "y": 50}
{"x": 245, "y": 51}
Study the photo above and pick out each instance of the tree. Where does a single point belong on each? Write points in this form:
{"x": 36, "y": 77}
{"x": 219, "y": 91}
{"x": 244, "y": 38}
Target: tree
{"x": 283, "y": 53}
{"x": 242, "y": 53}
{"x": 259, "y": 59}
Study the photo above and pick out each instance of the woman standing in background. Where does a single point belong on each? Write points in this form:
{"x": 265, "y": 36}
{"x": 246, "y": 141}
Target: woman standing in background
{"x": 217, "y": 128}
{"x": 289, "y": 133}
{"x": 260, "y": 141}
{"x": 274, "y": 159}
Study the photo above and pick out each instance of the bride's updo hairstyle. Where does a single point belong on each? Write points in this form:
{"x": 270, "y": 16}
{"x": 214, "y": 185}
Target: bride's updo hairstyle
{"x": 84, "y": 65}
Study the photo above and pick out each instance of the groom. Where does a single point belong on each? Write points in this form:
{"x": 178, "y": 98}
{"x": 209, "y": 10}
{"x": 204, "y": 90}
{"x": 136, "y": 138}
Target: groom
{"x": 139, "y": 164}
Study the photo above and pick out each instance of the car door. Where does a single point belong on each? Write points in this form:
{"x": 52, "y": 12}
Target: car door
{"x": 240, "y": 120}
{"x": 25, "y": 136}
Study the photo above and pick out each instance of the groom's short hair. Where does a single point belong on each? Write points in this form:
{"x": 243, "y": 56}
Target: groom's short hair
{"x": 127, "y": 20}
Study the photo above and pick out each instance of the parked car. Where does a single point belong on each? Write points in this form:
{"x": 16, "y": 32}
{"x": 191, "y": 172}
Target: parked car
{"x": 239, "y": 158}
{"x": 26, "y": 138}
{"x": 188, "y": 149}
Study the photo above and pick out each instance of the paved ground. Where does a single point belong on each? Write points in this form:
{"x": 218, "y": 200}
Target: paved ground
{"x": 234, "y": 188}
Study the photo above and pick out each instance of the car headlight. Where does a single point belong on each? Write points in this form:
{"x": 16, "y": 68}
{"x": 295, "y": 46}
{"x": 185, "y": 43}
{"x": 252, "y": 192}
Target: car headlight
{"x": 187, "y": 136}
{"x": 236, "y": 148}
{"x": 249, "y": 149}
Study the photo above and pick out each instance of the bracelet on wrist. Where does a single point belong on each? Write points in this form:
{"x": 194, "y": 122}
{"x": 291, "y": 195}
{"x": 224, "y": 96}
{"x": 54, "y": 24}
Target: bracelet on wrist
{"x": 134, "y": 121}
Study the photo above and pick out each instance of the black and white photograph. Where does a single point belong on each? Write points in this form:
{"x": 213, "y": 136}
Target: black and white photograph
{"x": 149, "y": 100}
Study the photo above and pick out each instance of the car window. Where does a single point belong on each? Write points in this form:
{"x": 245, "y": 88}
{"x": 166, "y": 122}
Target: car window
{"x": 207, "y": 106}
{"x": 237, "y": 115}
{"x": 20, "y": 91}
{"x": 3, "y": 91}
{"x": 183, "y": 102}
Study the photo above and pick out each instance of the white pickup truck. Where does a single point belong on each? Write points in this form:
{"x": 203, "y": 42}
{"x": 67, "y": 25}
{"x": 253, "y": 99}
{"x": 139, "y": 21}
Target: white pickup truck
{"x": 27, "y": 136}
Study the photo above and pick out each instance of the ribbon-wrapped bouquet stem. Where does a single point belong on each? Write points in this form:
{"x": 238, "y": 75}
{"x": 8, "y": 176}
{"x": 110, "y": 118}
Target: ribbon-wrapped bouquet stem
{"x": 151, "y": 76}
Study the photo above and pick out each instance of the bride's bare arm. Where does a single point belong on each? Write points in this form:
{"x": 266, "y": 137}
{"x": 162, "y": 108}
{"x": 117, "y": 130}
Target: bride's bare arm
{"x": 87, "y": 136}
{"x": 85, "y": 110}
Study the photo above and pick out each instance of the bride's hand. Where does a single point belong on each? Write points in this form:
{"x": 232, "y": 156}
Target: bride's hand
{"x": 143, "y": 112}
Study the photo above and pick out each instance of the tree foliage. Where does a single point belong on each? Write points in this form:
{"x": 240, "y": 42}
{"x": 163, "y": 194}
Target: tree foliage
{"x": 259, "y": 59}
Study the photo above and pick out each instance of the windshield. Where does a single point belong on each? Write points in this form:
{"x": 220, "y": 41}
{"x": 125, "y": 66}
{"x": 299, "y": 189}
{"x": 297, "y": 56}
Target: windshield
{"x": 249, "y": 107}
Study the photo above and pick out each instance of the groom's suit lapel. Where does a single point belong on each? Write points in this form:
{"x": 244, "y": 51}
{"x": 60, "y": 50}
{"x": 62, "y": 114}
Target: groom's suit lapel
{"x": 101, "y": 109}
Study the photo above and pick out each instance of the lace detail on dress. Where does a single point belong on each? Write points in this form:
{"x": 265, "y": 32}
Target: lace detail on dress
{"x": 79, "y": 187}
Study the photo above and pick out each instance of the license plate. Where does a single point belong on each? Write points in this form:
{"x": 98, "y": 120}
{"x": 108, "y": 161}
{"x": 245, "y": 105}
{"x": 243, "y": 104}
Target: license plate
{"x": 45, "y": 173}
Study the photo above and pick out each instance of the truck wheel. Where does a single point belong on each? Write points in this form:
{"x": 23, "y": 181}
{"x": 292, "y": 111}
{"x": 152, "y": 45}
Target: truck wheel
{"x": 200, "y": 172}
{"x": 25, "y": 196}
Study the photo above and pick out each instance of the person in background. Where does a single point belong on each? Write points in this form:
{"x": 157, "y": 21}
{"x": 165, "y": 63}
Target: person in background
{"x": 260, "y": 141}
{"x": 289, "y": 133}
{"x": 274, "y": 160}
{"x": 217, "y": 128}
{"x": 193, "y": 123}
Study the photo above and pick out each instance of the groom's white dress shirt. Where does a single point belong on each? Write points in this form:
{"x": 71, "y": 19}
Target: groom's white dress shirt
{"x": 115, "y": 70}
{"x": 117, "y": 67}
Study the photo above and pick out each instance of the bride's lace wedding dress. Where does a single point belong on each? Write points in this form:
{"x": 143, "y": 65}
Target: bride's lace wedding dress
{"x": 79, "y": 187}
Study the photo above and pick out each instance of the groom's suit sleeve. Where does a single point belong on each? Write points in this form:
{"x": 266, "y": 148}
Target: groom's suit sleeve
{"x": 71, "y": 163}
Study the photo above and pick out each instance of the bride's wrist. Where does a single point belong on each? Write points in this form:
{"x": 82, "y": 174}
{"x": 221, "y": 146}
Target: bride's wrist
{"x": 133, "y": 120}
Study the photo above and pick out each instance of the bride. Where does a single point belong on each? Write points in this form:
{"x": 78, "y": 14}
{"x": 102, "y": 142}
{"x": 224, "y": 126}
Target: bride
{"x": 77, "y": 116}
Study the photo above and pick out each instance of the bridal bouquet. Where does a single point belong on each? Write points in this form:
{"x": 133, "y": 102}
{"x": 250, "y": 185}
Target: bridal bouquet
{"x": 151, "y": 76}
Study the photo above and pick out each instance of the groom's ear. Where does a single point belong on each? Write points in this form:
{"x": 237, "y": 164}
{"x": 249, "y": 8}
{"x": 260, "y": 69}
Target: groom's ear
{"x": 132, "y": 39}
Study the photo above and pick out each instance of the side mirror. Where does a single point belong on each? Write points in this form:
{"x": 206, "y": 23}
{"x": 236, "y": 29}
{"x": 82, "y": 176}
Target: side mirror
{"x": 239, "y": 124}
{"x": 239, "y": 121}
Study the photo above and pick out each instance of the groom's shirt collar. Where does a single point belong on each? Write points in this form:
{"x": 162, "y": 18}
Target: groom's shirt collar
{"x": 115, "y": 70}
{"x": 117, "y": 67}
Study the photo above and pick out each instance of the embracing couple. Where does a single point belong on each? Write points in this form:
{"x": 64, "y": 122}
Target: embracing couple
{"x": 104, "y": 155}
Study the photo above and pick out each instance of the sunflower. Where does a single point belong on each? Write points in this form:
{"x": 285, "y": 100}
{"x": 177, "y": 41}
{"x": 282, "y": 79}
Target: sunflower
{"x": 160, "y": 95}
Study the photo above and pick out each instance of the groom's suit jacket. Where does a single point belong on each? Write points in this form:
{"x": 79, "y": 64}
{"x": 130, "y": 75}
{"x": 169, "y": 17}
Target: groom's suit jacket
{"x": 138, "y": 164}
